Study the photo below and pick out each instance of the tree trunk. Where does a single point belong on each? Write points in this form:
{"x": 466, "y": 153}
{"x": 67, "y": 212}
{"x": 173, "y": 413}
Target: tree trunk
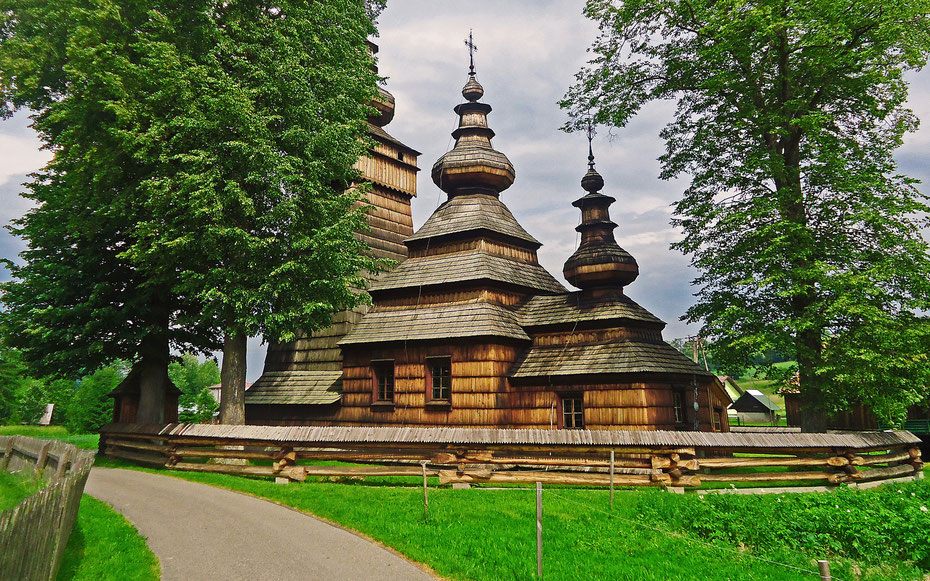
{"x": 153, "y": 378}
{"x": 232, "y": 377}
{"x": 808, "y": 338}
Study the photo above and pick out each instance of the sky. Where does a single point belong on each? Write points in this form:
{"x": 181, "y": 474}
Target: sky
{"x": 528, "y": 53}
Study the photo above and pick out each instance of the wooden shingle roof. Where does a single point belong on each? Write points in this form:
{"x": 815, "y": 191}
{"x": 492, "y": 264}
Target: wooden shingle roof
{"x": 569, "y": 308}
{"x": 437, "y": 322}
{"x": 296, "y": 387}
{"x": 466, "y": 266}
{"x": 476, "y": 212}
{"x": 604, "y": 358}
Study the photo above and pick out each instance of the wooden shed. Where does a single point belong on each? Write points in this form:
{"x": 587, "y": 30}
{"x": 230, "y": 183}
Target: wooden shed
{"x": 755, "y": 407}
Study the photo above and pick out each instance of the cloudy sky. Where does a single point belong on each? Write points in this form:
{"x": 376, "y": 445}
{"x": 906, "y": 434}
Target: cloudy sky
{"x": 528, "y": 52}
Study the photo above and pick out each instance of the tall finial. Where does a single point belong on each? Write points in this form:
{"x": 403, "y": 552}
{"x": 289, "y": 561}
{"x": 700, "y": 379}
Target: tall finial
{"x": 591, "y": 133}
{"x": 471, "y": 53}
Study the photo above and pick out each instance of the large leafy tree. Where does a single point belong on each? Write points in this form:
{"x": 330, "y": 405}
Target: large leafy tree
{"x": 260, "y": 128}
{"x": 76, "y": 301}
{"x": 201, "y": 153}
{"x": 807, "y": 238}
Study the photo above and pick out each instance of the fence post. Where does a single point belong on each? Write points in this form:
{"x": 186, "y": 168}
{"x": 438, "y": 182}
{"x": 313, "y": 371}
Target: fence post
{"x": 43, "y": 456}
{"x": 824, "y": 570}
{"x": 425, "y": 495}
{"x": 611, "y": 479}
{"x": 539, "y": 529}
{"x": 7, "y": 454}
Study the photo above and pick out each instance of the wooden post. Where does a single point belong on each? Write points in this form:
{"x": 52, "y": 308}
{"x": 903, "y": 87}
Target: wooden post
{"x": 611, "y": 479}
{"x": 539, "y": 530}
{"x": 824, "y": 570}
{"x": 7, "y": 454}
{"x": 43, "y": 457}
{"x": 425, "y": 495}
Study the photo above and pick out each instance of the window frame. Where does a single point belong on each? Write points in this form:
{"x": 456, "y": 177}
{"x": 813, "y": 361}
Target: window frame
{"x": 579, "y": 397}
{"x": 377, "y": 366}
{"x": 430, "y": 380}
{"x": 679, "y": 405}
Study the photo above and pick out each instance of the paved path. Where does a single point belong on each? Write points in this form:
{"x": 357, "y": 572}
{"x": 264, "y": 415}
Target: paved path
{"x": 203, "y": 532}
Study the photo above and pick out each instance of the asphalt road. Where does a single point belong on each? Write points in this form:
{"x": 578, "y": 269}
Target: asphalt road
{"x": 202, "y": 532}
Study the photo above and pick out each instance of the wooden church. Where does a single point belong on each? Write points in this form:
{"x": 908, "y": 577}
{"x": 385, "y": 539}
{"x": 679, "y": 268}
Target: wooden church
{"x": 470, "y": 331}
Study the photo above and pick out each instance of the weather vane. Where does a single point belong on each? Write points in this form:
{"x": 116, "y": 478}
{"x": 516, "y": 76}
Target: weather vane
{"x": 471, "y": 53}
{"x": 591, "y": 133}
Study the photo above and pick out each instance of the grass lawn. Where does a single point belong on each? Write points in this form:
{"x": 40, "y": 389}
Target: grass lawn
{"x": 14, "y": 488}
{"x": 104, "y": 546}
{"x": 489, "y": 534}
{"x": 85, "y": 441}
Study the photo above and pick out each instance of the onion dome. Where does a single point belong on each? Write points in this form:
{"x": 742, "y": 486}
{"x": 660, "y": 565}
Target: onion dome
{"x": 472, "y": 166}
{"x": 599, "y": 261}
{"x": 383, "y": 103}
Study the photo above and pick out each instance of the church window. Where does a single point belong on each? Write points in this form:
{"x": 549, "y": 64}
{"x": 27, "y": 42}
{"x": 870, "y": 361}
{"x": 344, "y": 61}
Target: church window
{"x": 439, "y": 378}
{"x": 573, "y": 412}
{"x": 383, "y": 375}
{"x": 678, "y": 402}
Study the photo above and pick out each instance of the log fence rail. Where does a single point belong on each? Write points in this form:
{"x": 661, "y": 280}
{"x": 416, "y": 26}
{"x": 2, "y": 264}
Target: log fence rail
{"x": 458, "y": 455}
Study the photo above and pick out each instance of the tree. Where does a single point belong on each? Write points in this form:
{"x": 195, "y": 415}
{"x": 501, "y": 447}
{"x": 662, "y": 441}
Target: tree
{"x": 261, "y": 116}
{"x": 193, "y": 378}
{"x": 76, "y": 301}
{"x": 91, "y": 407}
{"x": 807, "y": 239}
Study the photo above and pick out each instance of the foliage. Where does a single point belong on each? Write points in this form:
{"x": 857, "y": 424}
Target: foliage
{"x": 193, "y": 378}
{"x": 807, "y": 239}
{"x": 203, "y": 150}
{"x": 76, "y": 302}
{"x": 104, "y": 546}
{"x": 484, "y": 534}
{"x": 91, "y": 407}
{"x": 14, "y": 382}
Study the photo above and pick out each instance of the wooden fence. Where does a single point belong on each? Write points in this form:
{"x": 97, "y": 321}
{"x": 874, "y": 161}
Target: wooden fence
{"x": 34, "y": 533}
{"x": 461, "y": 455}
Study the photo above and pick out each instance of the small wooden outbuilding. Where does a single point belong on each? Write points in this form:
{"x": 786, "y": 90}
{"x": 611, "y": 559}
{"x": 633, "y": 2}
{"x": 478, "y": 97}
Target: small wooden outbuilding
{"x": 755, "y": 407}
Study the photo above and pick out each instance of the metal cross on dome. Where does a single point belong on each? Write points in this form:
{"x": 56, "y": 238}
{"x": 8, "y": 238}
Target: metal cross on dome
{"x": 472, "y": 49}
{"x": 591, "y": 133}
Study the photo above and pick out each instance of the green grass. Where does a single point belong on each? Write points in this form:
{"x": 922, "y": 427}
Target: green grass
{"x": 485, "y": 534}
{"x": 104, "y": 546}
{"x": 85, "y": 441}
{"x": 14, "y": 488}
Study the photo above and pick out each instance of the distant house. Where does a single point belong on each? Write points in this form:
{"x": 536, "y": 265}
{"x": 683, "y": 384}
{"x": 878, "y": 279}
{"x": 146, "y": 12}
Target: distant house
{"x": 731, "y": 387}
{"x": 754, "y": 407}
{"x": 215, "y": 390}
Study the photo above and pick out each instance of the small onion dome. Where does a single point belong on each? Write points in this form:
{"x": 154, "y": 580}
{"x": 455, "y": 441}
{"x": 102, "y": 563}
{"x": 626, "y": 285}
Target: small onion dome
{"x": 599, "y": 261}
{"x": 472, "y": 89}
{"x": 592, "y": 181}
{"x": 473, "y": 166}
{"x": 384, "y": 108}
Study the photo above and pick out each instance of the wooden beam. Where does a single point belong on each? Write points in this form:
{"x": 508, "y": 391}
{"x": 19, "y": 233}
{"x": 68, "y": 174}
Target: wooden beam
{"x": 773, "y": 477}
{"x": 738, "y": 462}
{"x": 889, "y": 472}
{"x": 528, "y": 477}
{"x": 134, "y": 457}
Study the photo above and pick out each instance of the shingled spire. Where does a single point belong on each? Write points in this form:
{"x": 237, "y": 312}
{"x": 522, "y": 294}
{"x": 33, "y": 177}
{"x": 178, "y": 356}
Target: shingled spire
{"x": 473, "y": 166}
{"x": 599, "y": 262}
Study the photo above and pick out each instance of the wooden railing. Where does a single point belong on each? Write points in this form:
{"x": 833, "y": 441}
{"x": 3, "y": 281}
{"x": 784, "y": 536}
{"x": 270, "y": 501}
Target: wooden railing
{"x": 594, "y": 458}
{"x": 34, "y": 533}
